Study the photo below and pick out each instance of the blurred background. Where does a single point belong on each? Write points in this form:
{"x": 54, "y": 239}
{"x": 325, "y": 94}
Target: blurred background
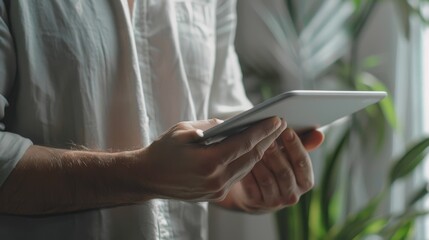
{"x": 371, "y": 173}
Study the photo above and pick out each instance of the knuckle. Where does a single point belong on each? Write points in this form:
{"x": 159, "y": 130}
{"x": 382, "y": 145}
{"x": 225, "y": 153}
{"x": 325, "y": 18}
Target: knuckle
{"x": 214, "y": 121}
{"x": 303, "y": 160}
{"x": 283, "y": 174}
{"x": 266, "y": 181}
{"x": 267, "y": 131}
{"x": 258, "y": 152}
{"x": 292, "y": 199}
{"x": 247, "y": 145}
{"x": 180, "y": 126}
{"x": 307, "y": 185}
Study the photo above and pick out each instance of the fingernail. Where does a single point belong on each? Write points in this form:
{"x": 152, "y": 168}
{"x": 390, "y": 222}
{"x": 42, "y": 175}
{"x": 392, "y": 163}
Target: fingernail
{"x": 200, "y": 132}
{"x": 289, "y": 136}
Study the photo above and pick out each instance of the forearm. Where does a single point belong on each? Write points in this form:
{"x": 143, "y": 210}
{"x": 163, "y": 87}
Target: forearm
{"x": 49, "y": 181}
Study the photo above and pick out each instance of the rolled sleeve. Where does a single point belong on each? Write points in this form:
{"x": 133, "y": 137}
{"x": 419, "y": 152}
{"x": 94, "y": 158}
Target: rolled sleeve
{"x": 12, "y": 146}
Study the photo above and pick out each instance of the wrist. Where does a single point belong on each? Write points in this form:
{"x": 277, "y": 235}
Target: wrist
{"x": 131, "y": 171}
{"x": 107, "y": 179}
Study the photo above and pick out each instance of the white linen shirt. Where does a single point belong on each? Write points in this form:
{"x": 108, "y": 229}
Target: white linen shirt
{"x": 83, "y": 72}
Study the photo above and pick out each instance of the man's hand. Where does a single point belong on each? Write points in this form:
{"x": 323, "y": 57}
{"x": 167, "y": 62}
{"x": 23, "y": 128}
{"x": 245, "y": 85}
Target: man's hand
{"x": 178, "y": 168}
{"x": 283, "y": 175}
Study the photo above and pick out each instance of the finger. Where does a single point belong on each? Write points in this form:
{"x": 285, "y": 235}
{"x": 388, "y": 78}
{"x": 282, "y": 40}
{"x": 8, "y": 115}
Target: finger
{"x": 188, "y": 136}
{"x": 193, "y": 131}
{"x": 299, "y": 160}
{"x": 244, "y": 164}
{"x": 312, "y": 139}
{"x": 205, "y": 124}
{"x": 253, "y": 139}
{"x": 251, "y": 188}
{"x": 277, "y": 163}
{"x": 267, "y": 183}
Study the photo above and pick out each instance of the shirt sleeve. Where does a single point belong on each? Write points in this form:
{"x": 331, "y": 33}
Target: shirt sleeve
{"x": 12, "y": 146}
{"x": 228, "y": 96}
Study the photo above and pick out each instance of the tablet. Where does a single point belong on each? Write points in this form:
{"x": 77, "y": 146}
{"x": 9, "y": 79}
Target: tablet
{"x": 302, "y": 110}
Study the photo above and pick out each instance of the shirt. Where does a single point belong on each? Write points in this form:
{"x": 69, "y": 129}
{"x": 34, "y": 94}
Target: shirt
{"x": 83, "y": 72}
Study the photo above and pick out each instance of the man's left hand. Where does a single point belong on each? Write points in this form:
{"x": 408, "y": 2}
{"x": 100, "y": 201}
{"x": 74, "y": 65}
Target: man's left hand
{"x": 283, "y": 175}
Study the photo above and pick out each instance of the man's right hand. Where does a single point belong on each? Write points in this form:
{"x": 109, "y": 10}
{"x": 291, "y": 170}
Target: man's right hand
{"x": 176, "y": 167}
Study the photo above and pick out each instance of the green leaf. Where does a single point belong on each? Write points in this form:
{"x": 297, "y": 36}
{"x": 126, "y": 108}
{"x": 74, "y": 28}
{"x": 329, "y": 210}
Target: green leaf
{"x": 304, "y": 205}
{"x": 371, "y": 62}
{"x": 375, "y": 226}
{"x": 336, "y": 206}
{"x": 409, "y": 161}
{"x": 317, "y": 231}
{"x": 282, "y": 223}
{"x": 418, "y": 195}
{"x": 266, "y": 90}
{"x": 381, "y": 129}
{"x": 329, "y": 180}
{"x": 404, "y": 232}
{"x": 361, "y": 17}
{"x": 292, "y": 11}
{"x": 358, "y": 222}
{"x": 289, "y": 223}
{"x": 398, "y": 225}
{"x": 325, "y": 38}
{"x": 371, "y": 110}
{"x": 357, "y": 3}
{"x": 379, "y": 113}
{"x": 386, "y": 105}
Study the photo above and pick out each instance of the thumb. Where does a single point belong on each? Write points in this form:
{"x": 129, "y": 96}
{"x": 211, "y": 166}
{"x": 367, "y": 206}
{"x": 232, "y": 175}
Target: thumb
{"x": 205, "y": 124}
{"x": 189, "y": 135}
{"x": 195, "y": 130}
{"x": 312, "y": 140}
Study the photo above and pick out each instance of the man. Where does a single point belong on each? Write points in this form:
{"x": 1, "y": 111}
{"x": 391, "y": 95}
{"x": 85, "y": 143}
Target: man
{"x": 114, "y": 76}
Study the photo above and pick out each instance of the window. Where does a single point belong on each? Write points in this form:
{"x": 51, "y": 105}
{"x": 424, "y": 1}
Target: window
{"x": 425, "y": 94}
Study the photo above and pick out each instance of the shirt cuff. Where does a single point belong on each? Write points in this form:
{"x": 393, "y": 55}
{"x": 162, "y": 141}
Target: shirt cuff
{"x": 12, "y": 148}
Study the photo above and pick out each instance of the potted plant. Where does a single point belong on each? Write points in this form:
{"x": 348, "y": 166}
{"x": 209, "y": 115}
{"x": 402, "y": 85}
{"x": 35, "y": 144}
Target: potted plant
{"x": 329, "y": 47}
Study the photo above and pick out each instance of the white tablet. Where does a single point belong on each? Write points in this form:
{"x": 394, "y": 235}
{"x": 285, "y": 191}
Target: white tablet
{"x": 302, "y": 110}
